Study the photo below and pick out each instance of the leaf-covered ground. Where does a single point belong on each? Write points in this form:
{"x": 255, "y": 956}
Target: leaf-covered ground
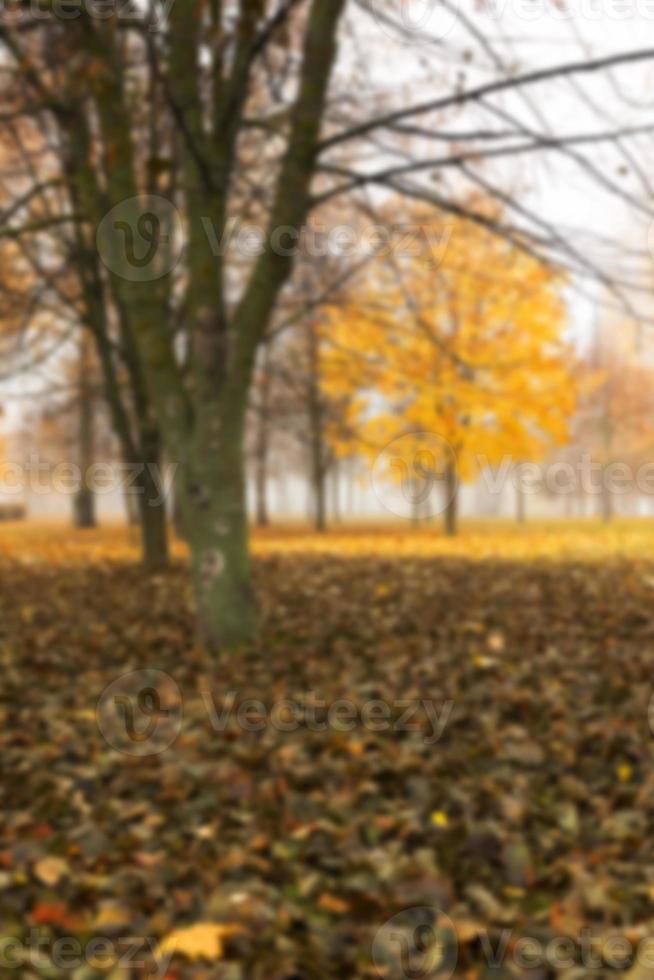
{"x": 531, "y": 815}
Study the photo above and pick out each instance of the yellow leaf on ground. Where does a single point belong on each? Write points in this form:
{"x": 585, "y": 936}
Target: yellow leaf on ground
{"x": 204, "y": 940}
{"x": 624, "y": 772}
{"x": 50, "y": 870}
{"x": 112, "y": 915}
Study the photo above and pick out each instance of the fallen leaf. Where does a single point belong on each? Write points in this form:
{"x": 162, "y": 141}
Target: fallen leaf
{"x": 50, "y": 870}
{"x": 204, "y": 940}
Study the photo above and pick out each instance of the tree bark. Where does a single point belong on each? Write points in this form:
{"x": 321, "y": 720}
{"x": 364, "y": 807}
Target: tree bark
{"x": 451, "y": 512}
{"x": 84, "y": 515}
{"x": 317, "y": 476}
{"x": 416, "y": 515}
{"x": 261, "y": 466}
{"x": 151, "y": 507}
{"x": 261, "y": 490}
{"x": 131, "y": 508}
{"x": 336, "y": 491}
{"x": 177, "y": 515}
{"x": 214, "y": 511}
{"x": 520, "y": 503}
{"x": 316, "y": 431}
{"x": 262, "y": 439}
{"x": 350, "y": 487}
{"x": 319, "y": 497}
{"x": 154, "y": 531}
{"x": 607, "y": 436}
{"x": 606, "y": 499}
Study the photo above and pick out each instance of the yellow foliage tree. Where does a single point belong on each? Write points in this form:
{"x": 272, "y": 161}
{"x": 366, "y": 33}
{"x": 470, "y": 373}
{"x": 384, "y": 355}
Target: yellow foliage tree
{"x": 464, "y": 343}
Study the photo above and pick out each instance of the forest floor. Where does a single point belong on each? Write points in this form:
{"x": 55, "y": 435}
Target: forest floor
{"x": 439, "y": 749}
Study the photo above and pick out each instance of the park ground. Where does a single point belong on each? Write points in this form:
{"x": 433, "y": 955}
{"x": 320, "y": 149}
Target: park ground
{"x": 517, "y": 796}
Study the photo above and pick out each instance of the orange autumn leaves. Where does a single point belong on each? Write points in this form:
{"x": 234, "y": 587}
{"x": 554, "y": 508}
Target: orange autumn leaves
{"x": 202, "y": 940}
{"x": 461, "y": 335}
{"x": 37, "y": 544}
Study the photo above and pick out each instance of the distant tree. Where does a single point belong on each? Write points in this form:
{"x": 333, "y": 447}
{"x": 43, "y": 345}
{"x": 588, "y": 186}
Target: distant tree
{"x": 612, "y": 428}
{"x": 84, "y": 512}
{"x": 53, "y": 287}
{"x": 70, "y": 424}
{"x": 465, "y": 343}
{"x": 261, "y": 423}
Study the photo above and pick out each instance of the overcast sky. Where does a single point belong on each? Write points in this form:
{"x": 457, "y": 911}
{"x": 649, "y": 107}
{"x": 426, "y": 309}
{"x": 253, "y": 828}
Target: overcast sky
{"x": 526, "y": 35}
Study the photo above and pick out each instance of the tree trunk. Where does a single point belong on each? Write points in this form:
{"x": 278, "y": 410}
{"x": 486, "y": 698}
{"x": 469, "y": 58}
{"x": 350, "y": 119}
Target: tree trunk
{"x": 154, "y": 534}
{"x": 607, "y": 434}
{"x": 175, "y": 507}
{"x": 148, "y": 489}
{"x": 316, "y": 433}
{"x": 131, "y": 508}
{"x": 262, "y": 439}
{"x": 350, "y": 487}
{"x": 84, "y": 502}
{"x": 318, "y": 472}
{"x": 426, "y": 508}
{"x": 520, "y": 504}
{"x": 261, "y": 487}
{"x": 415, "y": 503}
{"x": 606, "y": 500}
{"x": 319, "y": 484}
{"x": 178, "y": 519}
{"x": 84, "y": 508}
{"x": 336, "y": 491}
{"x": 215, "y": 520}
{"x": 450, "y": 514}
